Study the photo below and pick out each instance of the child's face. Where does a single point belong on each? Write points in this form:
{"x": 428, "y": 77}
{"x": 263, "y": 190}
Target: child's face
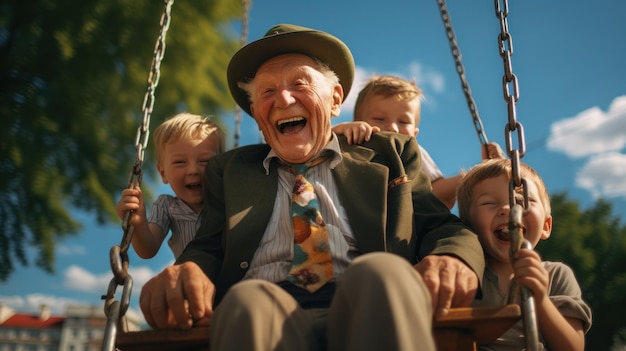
{"x": 489, "y": 213}
{"x": 182, "y": 166}
{"x": 391, "y": 114}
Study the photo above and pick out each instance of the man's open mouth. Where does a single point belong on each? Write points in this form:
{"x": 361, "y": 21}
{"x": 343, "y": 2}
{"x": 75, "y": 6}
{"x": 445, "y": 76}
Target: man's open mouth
{"x": 291, "y": 125}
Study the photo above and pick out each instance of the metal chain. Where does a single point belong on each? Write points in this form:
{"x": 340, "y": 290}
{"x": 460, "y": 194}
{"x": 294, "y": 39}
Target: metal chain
{"x": 113, "y": 309}
{"x": 511, "y": 96}
{"x": 456, "y": 54}
{"x": 245, "y": 9}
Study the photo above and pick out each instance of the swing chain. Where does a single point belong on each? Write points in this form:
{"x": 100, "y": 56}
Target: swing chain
{"x": 456, "y": 54}
{"x": 509, "y": 79}
{"x": 113, "y": 309}
{"x": 517, "y": 208}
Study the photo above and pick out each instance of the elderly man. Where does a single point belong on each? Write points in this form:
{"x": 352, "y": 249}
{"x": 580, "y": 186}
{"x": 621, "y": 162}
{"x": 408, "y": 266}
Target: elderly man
{"x": 306, "y": 242}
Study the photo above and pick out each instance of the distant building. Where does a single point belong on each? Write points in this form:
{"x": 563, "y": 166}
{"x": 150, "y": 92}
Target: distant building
{"x": 80, "y": 329}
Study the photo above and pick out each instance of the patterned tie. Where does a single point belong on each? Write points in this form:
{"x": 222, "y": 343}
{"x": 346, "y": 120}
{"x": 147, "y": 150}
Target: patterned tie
{"x": 312, "y": 263}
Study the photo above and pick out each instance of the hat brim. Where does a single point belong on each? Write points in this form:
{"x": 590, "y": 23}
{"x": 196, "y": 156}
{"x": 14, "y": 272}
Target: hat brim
{"x": 323, "y": 46}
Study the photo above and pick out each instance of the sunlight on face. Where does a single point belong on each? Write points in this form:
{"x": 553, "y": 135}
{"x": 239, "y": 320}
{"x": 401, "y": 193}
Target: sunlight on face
{"x": 489, "y": 213}
{"x": 292, "y": 103}
{"x": 182, "y": 165}
{"x": 391, "y": 114}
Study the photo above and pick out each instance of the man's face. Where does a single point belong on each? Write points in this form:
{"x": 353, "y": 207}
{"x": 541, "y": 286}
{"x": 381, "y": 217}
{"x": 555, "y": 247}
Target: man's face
{"x": 292, "y": 103}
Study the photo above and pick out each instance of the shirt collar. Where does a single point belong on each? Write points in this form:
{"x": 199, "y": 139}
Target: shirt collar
{"x": 333, "y": 146}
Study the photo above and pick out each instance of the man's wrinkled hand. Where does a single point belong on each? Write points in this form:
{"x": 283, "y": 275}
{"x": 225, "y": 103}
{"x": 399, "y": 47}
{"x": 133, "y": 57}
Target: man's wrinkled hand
{"x": 449, "y": 280}
{"x": 181, "y": 296}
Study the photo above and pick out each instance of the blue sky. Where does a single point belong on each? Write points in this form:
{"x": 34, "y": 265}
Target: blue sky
{"x": 569, "y": 60}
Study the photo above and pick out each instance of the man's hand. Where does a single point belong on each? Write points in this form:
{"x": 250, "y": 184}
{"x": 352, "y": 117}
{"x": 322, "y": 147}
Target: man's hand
{"x": 450, "y": 281}
{"x": 179, "y": 297}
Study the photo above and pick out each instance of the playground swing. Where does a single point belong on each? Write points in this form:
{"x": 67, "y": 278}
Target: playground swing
{"x": 465, "y": 329}
{"x": 461, "y": 329}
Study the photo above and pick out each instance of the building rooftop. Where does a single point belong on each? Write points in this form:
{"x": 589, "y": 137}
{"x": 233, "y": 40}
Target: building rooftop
{"x": 32, "y": 321}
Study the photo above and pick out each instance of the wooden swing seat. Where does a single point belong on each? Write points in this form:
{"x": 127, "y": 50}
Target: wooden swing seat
{"x": 462, "y": 329}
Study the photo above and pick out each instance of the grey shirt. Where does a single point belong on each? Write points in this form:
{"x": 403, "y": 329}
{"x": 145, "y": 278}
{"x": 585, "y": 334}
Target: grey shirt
{"x": 563, "y": 291}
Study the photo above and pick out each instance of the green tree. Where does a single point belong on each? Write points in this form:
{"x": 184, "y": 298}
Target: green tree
{"x": 73, "y": 75}
{"x": 593, "y": 243}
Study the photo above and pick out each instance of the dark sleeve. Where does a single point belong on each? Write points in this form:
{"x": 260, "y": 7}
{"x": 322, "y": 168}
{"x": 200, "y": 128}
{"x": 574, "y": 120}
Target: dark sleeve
{"x": 439, "y": 231}
{"x": 206, "y": 249}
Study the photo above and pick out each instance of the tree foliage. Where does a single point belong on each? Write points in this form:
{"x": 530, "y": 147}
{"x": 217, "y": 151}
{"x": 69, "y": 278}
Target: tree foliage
{"x": 73, "y": 75}
{"x": 593, "y": 243}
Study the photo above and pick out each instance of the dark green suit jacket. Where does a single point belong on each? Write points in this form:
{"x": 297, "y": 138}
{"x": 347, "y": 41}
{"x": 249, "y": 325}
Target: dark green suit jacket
{"x": 386, "y": 195}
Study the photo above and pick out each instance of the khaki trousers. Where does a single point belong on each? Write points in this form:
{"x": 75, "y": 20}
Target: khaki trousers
{"x": 380, "y": 304}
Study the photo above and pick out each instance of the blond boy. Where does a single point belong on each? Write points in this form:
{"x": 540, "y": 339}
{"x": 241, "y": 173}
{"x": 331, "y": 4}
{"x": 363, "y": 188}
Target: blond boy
{"x": 184, "y": 143}
{"x": 563, "y": 317}
{"x": 393, "y": 104}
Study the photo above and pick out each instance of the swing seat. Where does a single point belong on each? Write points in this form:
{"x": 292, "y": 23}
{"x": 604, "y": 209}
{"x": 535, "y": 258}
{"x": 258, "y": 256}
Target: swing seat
{"x": 462, "y": 329}
{"x": 194, "y": 339}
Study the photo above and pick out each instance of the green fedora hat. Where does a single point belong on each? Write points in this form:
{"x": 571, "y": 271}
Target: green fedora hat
{"x": 287, "y": 39}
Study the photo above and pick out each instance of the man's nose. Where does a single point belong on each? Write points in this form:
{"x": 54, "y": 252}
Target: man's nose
{"x": 284, "y": 98}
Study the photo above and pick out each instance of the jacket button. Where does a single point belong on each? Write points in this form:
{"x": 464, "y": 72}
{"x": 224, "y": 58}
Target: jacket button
{"x": 243, "y": 265}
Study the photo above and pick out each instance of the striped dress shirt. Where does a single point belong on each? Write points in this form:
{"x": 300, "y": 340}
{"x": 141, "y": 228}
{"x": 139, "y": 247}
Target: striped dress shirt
{"x": 171, "y": 213}
{"x": 272, "y": 259}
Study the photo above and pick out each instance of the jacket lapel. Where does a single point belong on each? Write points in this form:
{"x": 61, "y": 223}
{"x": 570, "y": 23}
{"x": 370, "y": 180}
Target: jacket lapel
{"x": 362, "y": 187}
{"x": 248, "y": 206}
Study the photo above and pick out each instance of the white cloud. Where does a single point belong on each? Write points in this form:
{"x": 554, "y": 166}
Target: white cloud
{"x": 78, "y": 279}
{"x": 360, "y": 77}
{"x": 603, "y": 175}
{"x": 426, "y": 79}
{"x": 591, "y": 131}
{"x": 70, "y": 250}
{"x": 600, "y": 136}
{"x": 141, "y": 275}
{"x": 15, "y": 302}
{"x": 31, "y": 303}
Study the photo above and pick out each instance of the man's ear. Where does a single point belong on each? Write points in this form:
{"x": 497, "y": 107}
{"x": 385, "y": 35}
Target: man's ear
{"x": 337, "y": 100}
{"x": 417, "y": 131}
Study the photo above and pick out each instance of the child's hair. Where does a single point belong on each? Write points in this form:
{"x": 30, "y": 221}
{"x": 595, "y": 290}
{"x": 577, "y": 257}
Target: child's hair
{"x": 490, "y": 169}
{"x": 387, "y": 86}
{"x": 187, "y": 125}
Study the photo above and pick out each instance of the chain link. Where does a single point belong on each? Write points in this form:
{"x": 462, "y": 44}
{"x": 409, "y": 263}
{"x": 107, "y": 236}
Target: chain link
{"x": 510, "y": 88}
{"x": 511, "y": 96}
{"x": 456, "y": 54}
{"x": 113, "y": 309}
